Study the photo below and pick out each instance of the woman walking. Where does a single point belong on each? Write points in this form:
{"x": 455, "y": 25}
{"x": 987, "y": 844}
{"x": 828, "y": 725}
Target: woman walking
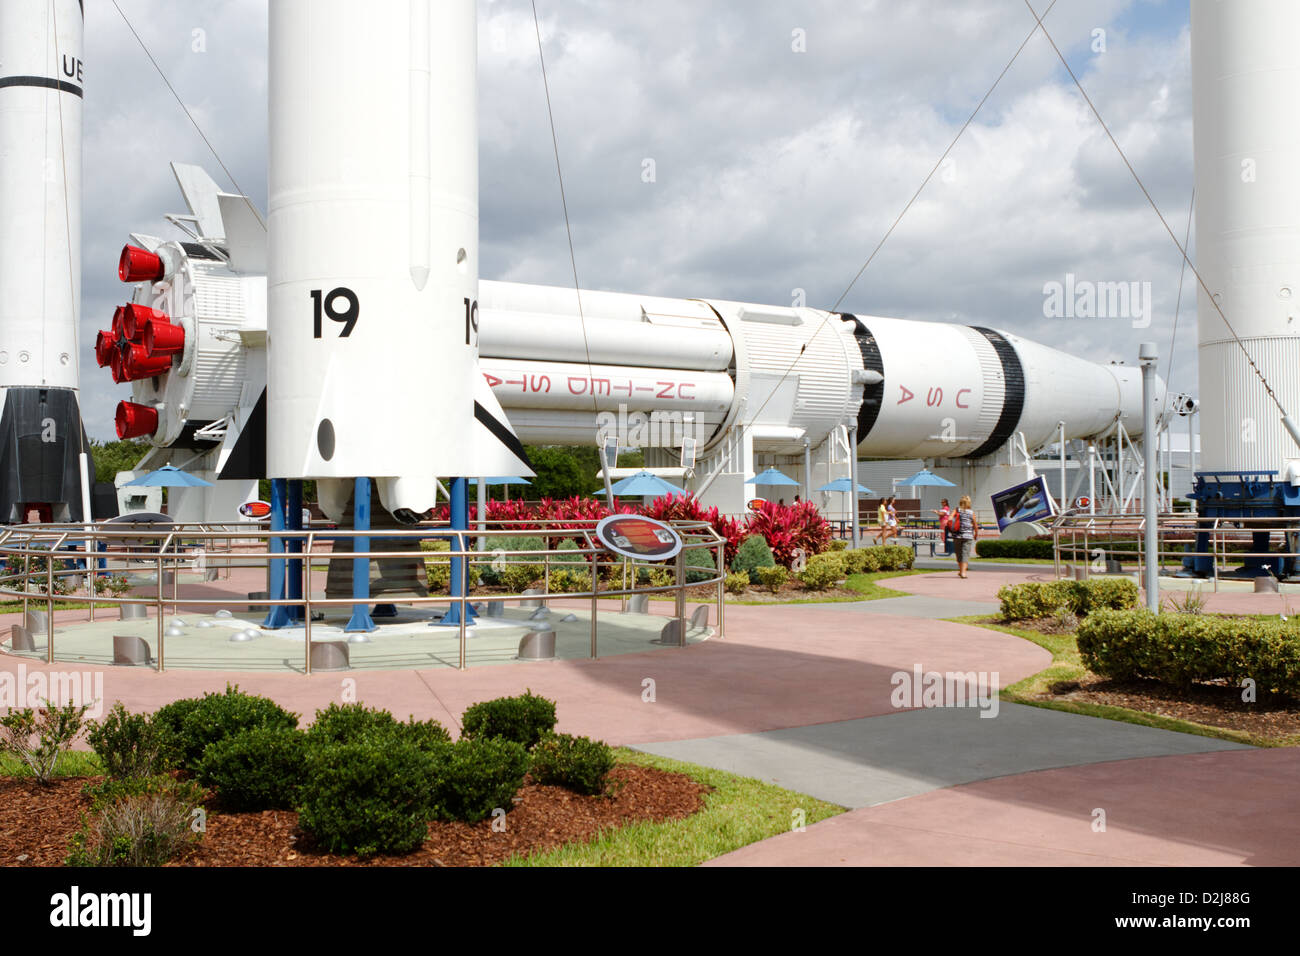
{"x": 966, "y": 535}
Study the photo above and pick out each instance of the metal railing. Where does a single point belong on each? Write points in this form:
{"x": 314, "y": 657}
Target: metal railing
{"x": 164, "y": 549}
{"x": 1094, "y": 543}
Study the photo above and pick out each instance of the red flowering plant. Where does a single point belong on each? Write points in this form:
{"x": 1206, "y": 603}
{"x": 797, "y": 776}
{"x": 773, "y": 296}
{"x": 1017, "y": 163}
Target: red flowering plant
{"x": 789, "y": 527}
{"x": 687, "y": 508}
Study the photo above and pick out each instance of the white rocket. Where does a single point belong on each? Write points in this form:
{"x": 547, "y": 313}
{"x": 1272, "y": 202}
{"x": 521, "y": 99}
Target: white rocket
{"x": 41, "y": 84}
{"x": 372, "y": 279}
{"x": 1245, "y": 86}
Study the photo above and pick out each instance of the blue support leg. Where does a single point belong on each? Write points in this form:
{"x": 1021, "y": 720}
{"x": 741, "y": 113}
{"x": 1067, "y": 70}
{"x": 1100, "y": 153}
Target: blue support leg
{"x": 360, "y": 621}
{"x": 294, "y": 523}
{"x": 459, "y": 522}
{"x": 278, "y": 616}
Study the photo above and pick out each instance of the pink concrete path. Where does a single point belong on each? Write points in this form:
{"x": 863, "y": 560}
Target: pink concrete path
{"x": 1226, "y": 808}
{"x": 780, "y": 666}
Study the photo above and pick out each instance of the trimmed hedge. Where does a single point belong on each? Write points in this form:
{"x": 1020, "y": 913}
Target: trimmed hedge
{"x": 369, "y": 797}
{"x": 473, "y": 777}
{"x": 1183, "y": 649}
{"x": 196, "y": 722}
{"x": 524, "y": 719}
{"x": 1030, "y": 548}
{"x": 889, "y": 557}
{"x": 822, "y": 571}
{"x": 772, "y": 578}
{"x": 1035, "y": 599}
{"x": 578, "y": 763}
{"x": 355, "y": 723}
{"x": 259, "y": 769}
{"x": 737, "y": 583}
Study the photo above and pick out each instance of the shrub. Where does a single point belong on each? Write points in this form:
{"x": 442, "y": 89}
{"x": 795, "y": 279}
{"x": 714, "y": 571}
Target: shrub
{"x": 493, "y": 571}
{"x": 678, "y": 508}
{"x": 259, "y": 769}
{"x": 39, "y": 736}
{"x": 1037, "y": 599}
{"x": 822, "y": 571}
{"x": 569, "y": 581}
{"x": 861, "y": 560}
{"x": 517, "y": 578}
{"x": 658, "y": 577}
{"x": 476, "y": 776}
{"x": 572, "y": 561}
{"x": 368, "y": 797}
{"x": 839, "y": 544}
{"x": 195, "y": 723}
{"x": 438, "y": 570}
{"x": 772, "y": 578}
{"x": 132, "y": 745}
{"x": 737, "y": 583}
{"x": 578, "y": 763}
{"x": 699, "y": 558}
{"x": 357, "y": 723}
{"x": 998, "y": 548}
{"x": 1182, "y": 649}
{"x": 141, "y": 829}
{"x": 791, "y": 527}
{"x": 523, "y": 719}
{"x": 753, "y": 553}
{"x": 895, "y": 557}
{"x": 111, "y": 791}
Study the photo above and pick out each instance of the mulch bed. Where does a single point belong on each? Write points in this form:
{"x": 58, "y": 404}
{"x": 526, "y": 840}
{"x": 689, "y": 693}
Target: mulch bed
{"x": 1216, "y": 705}
{"x": 37, "y": 823}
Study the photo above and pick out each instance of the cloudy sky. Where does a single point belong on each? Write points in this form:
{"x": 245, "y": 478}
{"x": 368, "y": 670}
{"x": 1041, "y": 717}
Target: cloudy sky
{"x": 785, "y": 139}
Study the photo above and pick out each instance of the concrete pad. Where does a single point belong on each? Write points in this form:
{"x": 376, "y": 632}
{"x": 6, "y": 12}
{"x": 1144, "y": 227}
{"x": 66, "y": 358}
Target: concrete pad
{"x": 862, "y": 763}
{"x": 1228, "y": 808}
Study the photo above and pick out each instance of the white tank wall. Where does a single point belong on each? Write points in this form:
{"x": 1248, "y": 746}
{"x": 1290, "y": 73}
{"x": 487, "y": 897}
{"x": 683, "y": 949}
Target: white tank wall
{"x": 373, "y": 188}
{"x": 1245, "y": 87}
{"x": 40, "y": 194}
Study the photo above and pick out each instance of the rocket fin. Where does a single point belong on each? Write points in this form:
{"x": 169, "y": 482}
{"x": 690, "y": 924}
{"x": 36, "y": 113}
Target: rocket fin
{"x": 245, "y": 234}
{"x": 497, "y": 449}
{"x": 200, "y": 194}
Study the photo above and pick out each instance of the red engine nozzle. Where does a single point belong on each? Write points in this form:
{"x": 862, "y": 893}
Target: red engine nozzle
{"x": 135, "y": 316}
{"x": 139, "y": 265}
{"x": 162, "y": 338}
{"x": 134, "y": 420}
{"x": 119, "y": 322}
{"x": 137, "y": 363}
{"x": 115, "y": 363}
{"x": 105, "y": 346}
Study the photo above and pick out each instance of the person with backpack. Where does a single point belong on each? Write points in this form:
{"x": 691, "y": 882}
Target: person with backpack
{"x": 966, "y": 534}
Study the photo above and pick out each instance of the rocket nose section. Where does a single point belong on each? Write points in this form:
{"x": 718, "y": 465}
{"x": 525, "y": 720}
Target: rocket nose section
{"x": 497, "y": 449}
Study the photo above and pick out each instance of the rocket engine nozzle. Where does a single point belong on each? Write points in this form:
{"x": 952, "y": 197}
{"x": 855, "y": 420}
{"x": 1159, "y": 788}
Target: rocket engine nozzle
{"x": 105, "y": 346}
{"x": 161, "y": 337}
{"x": 134, "y": 318}
{"x": 134, "y": 420}
{"x": 137, "y": 363}
{"x": 139, "y": 265}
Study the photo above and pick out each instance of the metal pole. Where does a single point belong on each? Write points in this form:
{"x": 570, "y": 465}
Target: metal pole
{"x": 49, "y": 608}
{"x": 681, "y": 598}
{"x": 853, "y": 480}
{"x": 482, "y": 514}
{"x": 1092, "y": 480}
{"x": 463, "y": 589}
{"x": 1064, "y": 504}
{"x": 360, "y": 620}
{"x": 722, "y": 591}
{"x": 161, "y": 639}
{"x": 595, "y": 587}
{"x": 807, "y": 470}
{"x": 1147, "y": 355}
{"x": 306, "y": 593}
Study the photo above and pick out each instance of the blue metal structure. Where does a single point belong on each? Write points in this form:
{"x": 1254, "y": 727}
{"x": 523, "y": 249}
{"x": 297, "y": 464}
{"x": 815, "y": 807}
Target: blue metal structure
{"x": 1225, "y": 495}
{"x": 459, "y": 489}
{"x": 360, "y": 620}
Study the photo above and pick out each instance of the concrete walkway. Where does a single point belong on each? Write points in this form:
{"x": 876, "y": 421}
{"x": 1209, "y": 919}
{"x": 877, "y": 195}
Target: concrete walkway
{"x": 807, "y": 696}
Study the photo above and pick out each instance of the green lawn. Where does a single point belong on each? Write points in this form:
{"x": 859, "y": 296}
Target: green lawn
{"x": 865, "y": 586}
{"x": 72, "y": 763}
{"x": 739, "y": 811}
{"x": 1068, "y": 666}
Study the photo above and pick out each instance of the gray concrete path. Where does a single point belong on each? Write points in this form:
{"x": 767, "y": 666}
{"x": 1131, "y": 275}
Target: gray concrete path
{"x": 866, "y": 762}
{"x": 915, "y": 605}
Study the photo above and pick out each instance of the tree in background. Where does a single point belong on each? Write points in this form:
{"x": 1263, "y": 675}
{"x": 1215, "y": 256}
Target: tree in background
{"x": 567, "y": 470}
{"x": 114, "y": 456}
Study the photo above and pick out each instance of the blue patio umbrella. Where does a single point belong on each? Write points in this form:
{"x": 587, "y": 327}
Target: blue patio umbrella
{"x": 169, "y": 476}
{"x": 926, "y": 477}
{"x": 771, "y": 477}
{"x": 646, "y": 484}
{"x": 845, "y": 485}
